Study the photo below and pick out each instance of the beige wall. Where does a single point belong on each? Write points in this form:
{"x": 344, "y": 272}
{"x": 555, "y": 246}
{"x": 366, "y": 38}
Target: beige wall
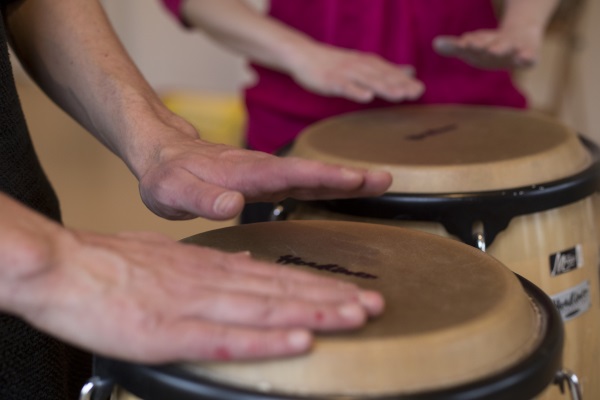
{"x": 581, "y": 107}
{"x": 170, "y": 56}
{"x": 584, "y": 100}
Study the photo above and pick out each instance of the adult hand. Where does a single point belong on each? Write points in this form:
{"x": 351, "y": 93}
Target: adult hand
{"x": 146, "y": 298}
{"x": 317, "y": 67}
{"x": 357, "y": 76}
{"x": 493, "y": 49}
{"x": 188, "y": 177}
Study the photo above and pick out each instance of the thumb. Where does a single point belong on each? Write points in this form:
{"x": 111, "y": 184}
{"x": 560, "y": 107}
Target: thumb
{"x": 445, "y": 45}
{"x": 188, "y": 197}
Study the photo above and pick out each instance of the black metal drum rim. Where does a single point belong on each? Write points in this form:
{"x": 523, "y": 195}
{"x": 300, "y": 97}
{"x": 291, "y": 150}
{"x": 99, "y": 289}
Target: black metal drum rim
{"x": 457, "y": 212}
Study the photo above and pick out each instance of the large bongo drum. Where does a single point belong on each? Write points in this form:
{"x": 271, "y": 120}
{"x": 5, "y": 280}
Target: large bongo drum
{"x": 458, "y": 325}
{"x": 514, "y": 183}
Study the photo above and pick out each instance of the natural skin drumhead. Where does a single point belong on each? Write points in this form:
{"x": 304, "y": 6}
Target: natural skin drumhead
{"x": 448, "y": 149}
{"x": 453, "y": 314}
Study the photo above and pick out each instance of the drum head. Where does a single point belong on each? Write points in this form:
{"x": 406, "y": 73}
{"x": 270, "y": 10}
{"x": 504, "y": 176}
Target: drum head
{"x": 453, "y": 314}
{"x": 441, "y": 149}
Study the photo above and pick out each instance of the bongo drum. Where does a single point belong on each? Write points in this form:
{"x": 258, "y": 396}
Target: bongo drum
{"x": 514, "y": 183}
{"x": 458, "y": 324}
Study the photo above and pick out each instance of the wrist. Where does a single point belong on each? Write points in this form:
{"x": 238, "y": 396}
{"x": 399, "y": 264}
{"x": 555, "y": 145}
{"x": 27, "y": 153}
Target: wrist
{"x": 523, "y": 27}
{"x": 522, "y": 19}
{"x": 145, "y": 127}
{"x": 27, "y": 249}
{"x": 301, "y": 56}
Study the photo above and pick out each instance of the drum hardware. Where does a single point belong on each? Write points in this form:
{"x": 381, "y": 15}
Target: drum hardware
{"x": 572, "y": 383}
{"x": 479, "y": 236}
{"x": 96, "y": 388}
{"x": 282, "y": 210}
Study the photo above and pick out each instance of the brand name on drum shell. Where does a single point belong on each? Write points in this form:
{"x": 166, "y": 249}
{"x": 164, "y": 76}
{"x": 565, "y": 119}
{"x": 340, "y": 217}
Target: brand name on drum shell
{"x": 565, "y": 261}
{"x": 573, "y": 302}
{"x": 333, "y": 268}
{"x": 432, "y": 132}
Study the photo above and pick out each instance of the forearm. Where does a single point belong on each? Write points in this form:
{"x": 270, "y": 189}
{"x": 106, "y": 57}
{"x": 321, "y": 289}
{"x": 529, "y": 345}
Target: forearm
{"x": 527, "y": 14}
{"x": 246, "y": 31}
{"x": 71, "y": 51}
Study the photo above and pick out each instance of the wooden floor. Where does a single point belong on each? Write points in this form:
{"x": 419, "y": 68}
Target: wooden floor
{"x": 96, "y": 190}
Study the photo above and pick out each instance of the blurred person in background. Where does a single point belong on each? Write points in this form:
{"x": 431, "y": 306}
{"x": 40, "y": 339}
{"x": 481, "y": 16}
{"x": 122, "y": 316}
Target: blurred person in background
{"x": 315, "y": 59}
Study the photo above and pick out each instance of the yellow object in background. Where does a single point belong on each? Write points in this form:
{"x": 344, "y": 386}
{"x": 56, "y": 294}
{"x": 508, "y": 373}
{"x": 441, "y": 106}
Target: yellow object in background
{"x": 218, "y": 117}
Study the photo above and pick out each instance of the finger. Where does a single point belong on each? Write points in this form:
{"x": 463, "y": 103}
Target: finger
{"x": 376, "y": 73}
{"x": 242, "y": 264}
{"x": 408, "y": 90}
{"x": 525, "y": 57}
{"x": 405, "y": 83}
{"x": 370, "y": 187}
{"x": 186, "y": 194}
{"x": 500, "y": 48}
{"x": 356, "y": 92}
{"x": 415, "y": 90}
{"x": 477, "y": 40}
{"x": 497, "y": 54}
{"x": 464, "y": 50}
{"x": 316, "y": 291}
{"x": 458, "y": 47}
{"x": 336, "y": 289}
{"x": 446, "y": 45}
{"x": 309, "y": 180}
{"x": 408, "y": 70}
{"x": 272, "y": 311}
{"x": 336, "y": 180}
{"x": 145, "y": 236}
{"x": 194, "y": 340}
{"x": 392, "y": 83}
{"x": 242, "y": 273}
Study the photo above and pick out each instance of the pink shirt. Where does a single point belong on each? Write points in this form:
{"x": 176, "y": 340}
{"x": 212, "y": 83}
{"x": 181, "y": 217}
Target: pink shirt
{"x": 401, "y": 31}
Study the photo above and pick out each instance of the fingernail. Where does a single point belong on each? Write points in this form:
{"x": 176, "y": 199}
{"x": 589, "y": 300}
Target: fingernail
{"x": 352, "y": 312}
{"x": 351, "y": 174}
{"x": 226, "y": 202}
{"x": 299, "y": 339}
{"x": 372, "y": 301}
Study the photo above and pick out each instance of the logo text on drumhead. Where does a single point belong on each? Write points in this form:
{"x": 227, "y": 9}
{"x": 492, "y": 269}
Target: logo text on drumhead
{"x": 333, "y": 268}
{"x": 432, "y": 132}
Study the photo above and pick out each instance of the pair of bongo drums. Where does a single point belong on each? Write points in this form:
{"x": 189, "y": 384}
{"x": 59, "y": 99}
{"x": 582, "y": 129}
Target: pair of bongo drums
{"x": 459, "y": 323}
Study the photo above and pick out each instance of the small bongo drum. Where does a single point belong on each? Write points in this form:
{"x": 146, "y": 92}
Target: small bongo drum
{"x": 458, "y": 324}
{"x": 514, "y": 183}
